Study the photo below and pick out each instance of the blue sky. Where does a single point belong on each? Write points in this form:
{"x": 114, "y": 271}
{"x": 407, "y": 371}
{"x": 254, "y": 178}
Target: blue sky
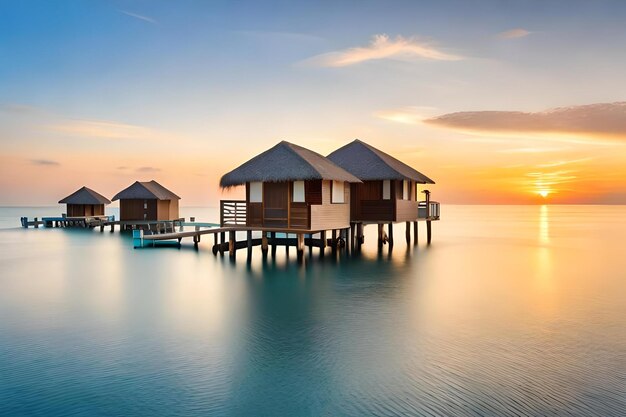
{"x": 220, "y": 81}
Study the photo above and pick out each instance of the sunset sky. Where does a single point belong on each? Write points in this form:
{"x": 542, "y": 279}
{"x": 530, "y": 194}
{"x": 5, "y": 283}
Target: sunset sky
{"x": 497, "y": 101}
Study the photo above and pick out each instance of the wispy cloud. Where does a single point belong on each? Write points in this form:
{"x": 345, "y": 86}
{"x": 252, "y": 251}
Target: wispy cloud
{"x": 147, "y": 169}
{"x": 531, "y": 149}
{"x": 139, "y": 16}
{"x": 514, "y": 33}
{"x": 102, "y": 129}
{"x": 17, "y": 108}
{"x": 603, "y": 119}
{"x": 383, "y": 47}
{"x": 406, "y": 115}
{"x": 44, "y": 162}
{"x": 563, "y": 162}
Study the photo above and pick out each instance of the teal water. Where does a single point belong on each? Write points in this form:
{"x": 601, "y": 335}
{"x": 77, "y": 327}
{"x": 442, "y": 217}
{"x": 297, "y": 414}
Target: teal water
{"x": 511, "y": 311}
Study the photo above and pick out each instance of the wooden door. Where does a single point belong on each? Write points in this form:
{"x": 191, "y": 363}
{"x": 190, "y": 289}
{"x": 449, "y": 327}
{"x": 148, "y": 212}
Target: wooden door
{"x": 276, "y": 204}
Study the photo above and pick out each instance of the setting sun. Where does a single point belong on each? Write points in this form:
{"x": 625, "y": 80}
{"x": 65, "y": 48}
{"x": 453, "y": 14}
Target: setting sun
{"x": 543, "y": 193}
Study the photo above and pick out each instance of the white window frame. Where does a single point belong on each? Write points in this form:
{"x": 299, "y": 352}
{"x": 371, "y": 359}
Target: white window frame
{"x": 297, "y": 194}
{"x": 337, "y": 197}
{"x": 386, "y": 189}
{"x": 256, "y": 192}
{"x": 405, "y": 189}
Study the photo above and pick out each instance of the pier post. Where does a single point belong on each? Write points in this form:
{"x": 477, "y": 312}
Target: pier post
{"x": 323, "y": 243}
{"x": 300, "y": 246}
{"x": 381, "y": 235}
{"x": 264, "y": 243}
{"x": 352, "y": 230}
{"x": 408, "y": 233}
{"x": 390, "y": 233}
{"x": 222, "y": 241}
{"x": 36, "y": 223}
{"x": 428, "y": 231}
{"x": 310, "y": 244}
{"x": 273, "y": 237}
{"x": 231, "y": 243}
{"x": 415, "y": 233}
{"x": 249, "y": 238}
{"x": 333, "y": 240}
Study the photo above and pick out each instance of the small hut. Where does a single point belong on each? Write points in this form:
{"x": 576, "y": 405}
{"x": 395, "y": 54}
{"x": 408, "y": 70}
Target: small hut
{"x": 85, "y": 202}
{"x": 290, "y": 187}
{"x": 388, "y": 192}
{"x": 147, "y": 201}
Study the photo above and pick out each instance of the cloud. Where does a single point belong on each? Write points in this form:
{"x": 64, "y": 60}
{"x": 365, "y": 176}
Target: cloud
{"x": 603, "y": 119}
{"x": 16, "y": 108}
{"x": 406, "y": 115}
{"x": 138, "y": 16}
{"x": 147, "y": 169}
{"x": 382, "y": 47}
{"x": 102, "y": 129}
{"x": 44, "y": 162}
{"x": 514, "y": 34}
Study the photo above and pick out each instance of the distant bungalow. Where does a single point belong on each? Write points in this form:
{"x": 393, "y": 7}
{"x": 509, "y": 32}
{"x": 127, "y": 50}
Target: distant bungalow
{"x": 147, "y": 201}
{"x": 289, "y": 187}
{"x": 85, "y": 202}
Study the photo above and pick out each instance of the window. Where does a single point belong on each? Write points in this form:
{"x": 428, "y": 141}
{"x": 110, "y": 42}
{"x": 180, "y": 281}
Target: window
{"x": 386, "y": 189}
{"x": 145, "y": 205}
{"x": 337, "y": 192}
{"x": 297, "y": 196}
{"x": 256, "y": 192}
{"x": 405, "y": 190}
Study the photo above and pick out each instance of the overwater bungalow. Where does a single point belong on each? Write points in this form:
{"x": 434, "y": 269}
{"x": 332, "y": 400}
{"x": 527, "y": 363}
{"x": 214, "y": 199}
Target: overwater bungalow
{"x": 85, "y": 202}
{"x": 388, "y": 192}
{"x": 147, "y": 201}
{"x": 289, "y": 188}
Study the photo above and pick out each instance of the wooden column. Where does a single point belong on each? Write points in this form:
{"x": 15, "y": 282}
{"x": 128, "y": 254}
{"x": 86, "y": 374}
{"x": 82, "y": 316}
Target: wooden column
{"x": 381, "y": 235}
{"x": 264, "y": 243}
{"x": 300, "y": 246}
{"x": 249, "y": 238}
{"x": 310, "y": 244}
{"x": 428, "y": 231}
{"x": 333, "y": 240}
{"x": 273, "y": 237}
{"x": 222, "y": 241}
{"x": 408, "y": 233}
{"x": 415, "y": 233}
{"x": 215, "y": 244}
{"x": 352, "y": 229}
{"x": 231, "y": 243}
{"x": 323, "y": 243}
{"x": 390, "y": 233}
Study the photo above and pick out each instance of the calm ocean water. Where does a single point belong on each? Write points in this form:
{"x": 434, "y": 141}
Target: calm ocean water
{"x": 513, "y": 310}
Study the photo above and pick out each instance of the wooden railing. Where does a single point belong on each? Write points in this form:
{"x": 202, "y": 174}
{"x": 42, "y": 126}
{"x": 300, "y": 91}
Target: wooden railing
{"x": 428, "y": 210}
{"x": 232, "y": 213}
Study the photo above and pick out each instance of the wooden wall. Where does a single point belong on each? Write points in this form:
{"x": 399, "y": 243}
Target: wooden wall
{"x": 327, "y": 215}
{"x": 406, "y": 210}
{"x": 82, "y": 210}
{"x": 134, "y": 210}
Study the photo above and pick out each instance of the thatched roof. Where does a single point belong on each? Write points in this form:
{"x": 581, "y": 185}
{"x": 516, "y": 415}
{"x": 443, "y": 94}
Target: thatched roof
{"x": 286, "y": 162}
{"x": 369, "y": 164}
{"x": 149, "y": 190}
{"x": 85, "y": 196}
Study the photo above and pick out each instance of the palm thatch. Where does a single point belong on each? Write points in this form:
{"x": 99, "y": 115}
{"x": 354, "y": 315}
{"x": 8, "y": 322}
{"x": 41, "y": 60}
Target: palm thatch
{"x": 85, "y": 196}
{"x": 371, "y": 164}
{"x": 149, "y": 190}
{"x": 286, "y": 162}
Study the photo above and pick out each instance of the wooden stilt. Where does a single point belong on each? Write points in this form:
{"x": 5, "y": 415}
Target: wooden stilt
{"x": 249, "y": 243}
{"x": 323, "y": 243}
{"x": 273, "y": 237}
{"x": 390, "y": 233}
{"x": 428, "y": 231}
{"x": 333, "y": 240}
{"x": 300, "y": 246}
{"x": 310, "y": 244}
{"x": 222, "y": 241}
{"x": 381, "y": 235}
{"x": 414, "y": 233}
{"x": 231, "y": 243}
{"x": 264, "y": 243}
{"x": 352, "y": 229}
{"x": 408, "y": 233}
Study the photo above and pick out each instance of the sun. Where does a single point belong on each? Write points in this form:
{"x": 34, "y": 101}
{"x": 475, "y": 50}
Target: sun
{"x": 543, "y": 193}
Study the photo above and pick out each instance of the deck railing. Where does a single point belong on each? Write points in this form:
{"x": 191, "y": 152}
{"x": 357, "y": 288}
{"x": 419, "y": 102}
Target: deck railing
{"x": 232, "y": 213}
{"x": 428, "y": 210}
